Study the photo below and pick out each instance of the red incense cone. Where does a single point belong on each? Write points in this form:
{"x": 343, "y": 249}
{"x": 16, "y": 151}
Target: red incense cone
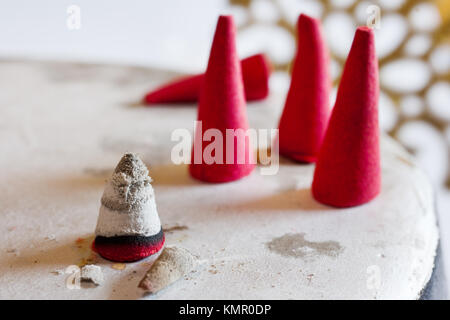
{"x": 222, "y": 107}
{"x": 348, "y": 167}
{"x": 255, "y": 73}
{"x": 305, "y": 116}
{"x": 255, "y": 70}
{"x": 181, "y": 90}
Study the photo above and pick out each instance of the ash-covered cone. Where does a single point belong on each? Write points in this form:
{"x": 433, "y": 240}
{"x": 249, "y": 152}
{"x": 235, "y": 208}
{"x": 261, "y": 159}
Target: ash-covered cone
{"x": 128, "y": 225}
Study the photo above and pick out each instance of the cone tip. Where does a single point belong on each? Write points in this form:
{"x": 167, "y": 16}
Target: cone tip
{"x": 225, "y": 19}
{"x": 364, "y": 40}
{"x": 131, "y": 165}
{"x": 364, "y": 32}
{"x": 364, "y": 29}
{"x": 303, "y": 19}
{"x": 225, "y": 28}
{"x": 307, "y": 24}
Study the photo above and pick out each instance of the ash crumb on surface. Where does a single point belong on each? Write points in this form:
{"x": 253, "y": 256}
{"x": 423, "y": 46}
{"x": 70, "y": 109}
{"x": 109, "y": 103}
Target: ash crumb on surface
{"x": 173, "y": 263}
{"x": 50, "y": 237}
{"x": 92, "y": 273}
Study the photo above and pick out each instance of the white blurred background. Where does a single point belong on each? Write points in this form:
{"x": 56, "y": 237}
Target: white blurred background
{"x": 173, "y": 34}
{"x": 176, "y": 35}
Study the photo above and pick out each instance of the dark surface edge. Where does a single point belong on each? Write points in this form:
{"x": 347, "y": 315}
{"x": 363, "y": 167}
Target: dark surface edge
{"x": 436, "y": 288}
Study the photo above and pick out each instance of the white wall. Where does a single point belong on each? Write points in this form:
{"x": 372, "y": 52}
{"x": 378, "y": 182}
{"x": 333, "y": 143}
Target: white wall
{"x": 172, "y": 34}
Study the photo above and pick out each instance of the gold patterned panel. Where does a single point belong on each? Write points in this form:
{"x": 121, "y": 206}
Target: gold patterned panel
{"x": 438, "y": 46}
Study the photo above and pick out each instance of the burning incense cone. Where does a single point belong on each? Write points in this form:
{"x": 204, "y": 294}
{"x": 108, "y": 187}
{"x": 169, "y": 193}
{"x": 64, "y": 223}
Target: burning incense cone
{"x": 128, "y": 226}
{"x": 348, "y": 167}
{"x": 306, "y": 112}
{"x": 255, "y": 71}
{"x": 222, "y": 107}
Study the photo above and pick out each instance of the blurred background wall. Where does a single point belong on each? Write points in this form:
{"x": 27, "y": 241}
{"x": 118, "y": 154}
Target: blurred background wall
{"x": 413, "y": 45}
{"x": 174, "y": 34}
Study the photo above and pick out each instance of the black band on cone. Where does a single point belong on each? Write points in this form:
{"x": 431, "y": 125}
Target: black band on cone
{"x": 134, "y": 239}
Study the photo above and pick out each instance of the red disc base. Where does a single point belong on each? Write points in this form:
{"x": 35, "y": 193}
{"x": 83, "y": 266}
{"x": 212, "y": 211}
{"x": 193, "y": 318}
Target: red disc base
{"x": 115, "y": 249}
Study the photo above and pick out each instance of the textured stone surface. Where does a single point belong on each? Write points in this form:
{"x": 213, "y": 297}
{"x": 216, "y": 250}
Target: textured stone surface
{"x": 61, "y": 138}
